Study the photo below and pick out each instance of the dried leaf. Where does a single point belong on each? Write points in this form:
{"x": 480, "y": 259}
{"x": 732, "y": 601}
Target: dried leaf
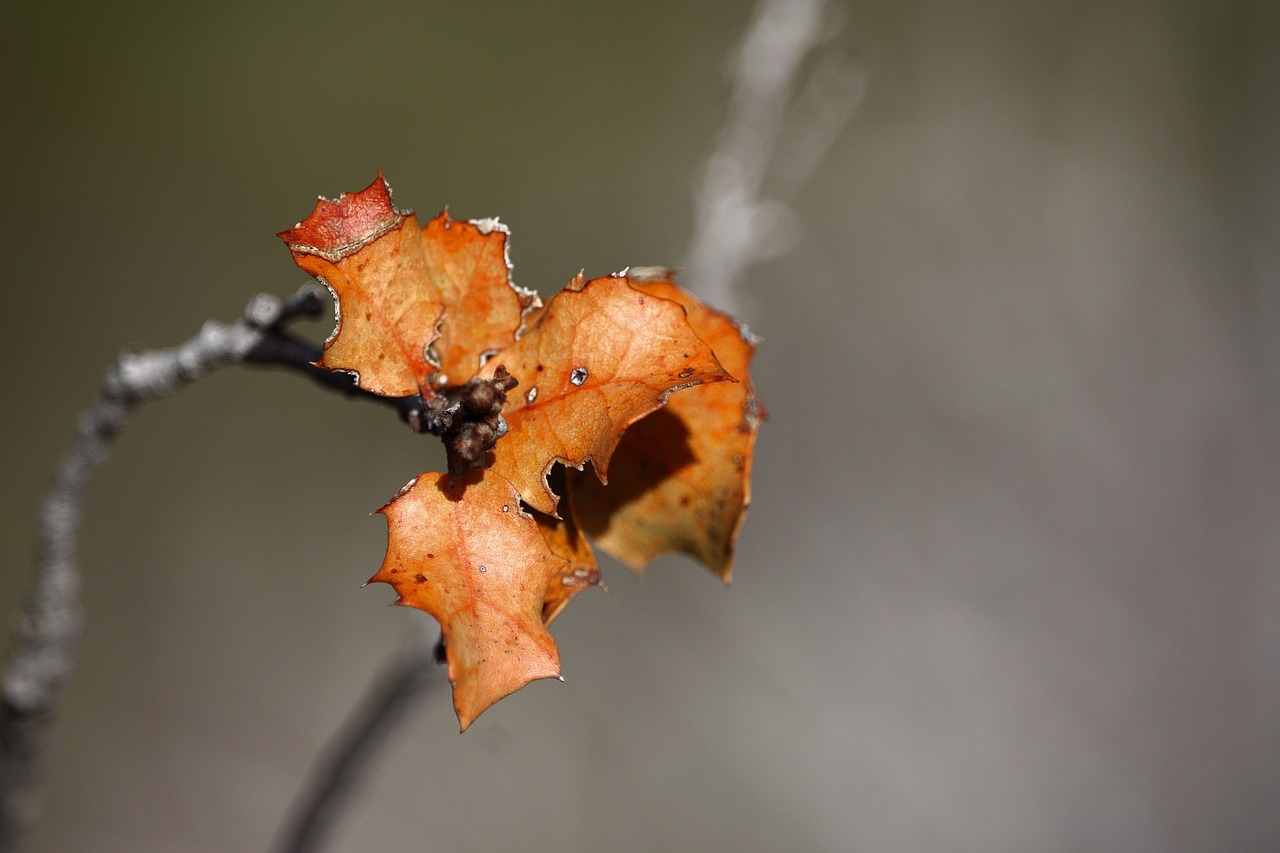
{"x": 420, "y": 309}
{"x": 468, "y": 267}
{"x": 680, "y": 479}
{"x": 371, "y": 256}
{"x": 459, "y": 547}
{"x": 601, "y": 356}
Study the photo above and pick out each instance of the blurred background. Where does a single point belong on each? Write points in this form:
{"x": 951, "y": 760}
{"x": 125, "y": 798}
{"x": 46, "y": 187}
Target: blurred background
{"x": 1010, "y": 579}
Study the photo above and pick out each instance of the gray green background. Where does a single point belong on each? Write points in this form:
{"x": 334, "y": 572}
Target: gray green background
{"x": 1010, "y": 578}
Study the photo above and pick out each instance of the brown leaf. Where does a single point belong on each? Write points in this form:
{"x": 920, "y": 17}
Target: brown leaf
{"x": 680, "y": 479}
{"x": 468, "y": 268}
{"x": 601, "y": 356}
{"x": 459, "y": 547}
{"x": 371, "y": 256}
{"x": 419, "y": 310}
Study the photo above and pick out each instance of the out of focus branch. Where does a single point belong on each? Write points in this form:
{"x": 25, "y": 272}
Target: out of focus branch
{"x": 44, "y": 648}
{"x": 354, "y": 747}
{"x": 778, "y": 128}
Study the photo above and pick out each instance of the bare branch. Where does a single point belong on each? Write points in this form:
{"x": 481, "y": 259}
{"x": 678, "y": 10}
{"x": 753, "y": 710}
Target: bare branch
{"x": 44, "y": 648}
{"x": 760, "y": 144}
{"x": 831, "y": 95}
{"x": 355, "y": 746}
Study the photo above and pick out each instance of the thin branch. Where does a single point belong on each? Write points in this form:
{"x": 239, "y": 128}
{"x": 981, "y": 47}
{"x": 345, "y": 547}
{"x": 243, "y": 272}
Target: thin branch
{"x": 776, "y": 131}
{"x": 828, "y": 101}
{"x": 44, "y": 647}
{"x": 355, "y": 746}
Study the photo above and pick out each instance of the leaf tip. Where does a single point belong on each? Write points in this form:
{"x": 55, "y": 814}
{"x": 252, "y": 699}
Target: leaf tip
{"x": 337, "y": 228}
{"x": 598, "y": 467}
{"x": 385, "y": 509}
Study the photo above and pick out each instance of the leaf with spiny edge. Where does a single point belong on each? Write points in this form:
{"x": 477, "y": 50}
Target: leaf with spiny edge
{"x": 419, "y": 309}
{"x": 460, "y": 548}
{"x": 680, "y": 480}
{"x": 484, "y": 311}
{"x": 601, "y": 355}
{"x": 370, "y": 255}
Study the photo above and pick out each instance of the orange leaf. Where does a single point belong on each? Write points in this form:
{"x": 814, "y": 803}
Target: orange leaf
{"x": 601, "y": 356}
{"x": 419, "y": 310}
{"x": 468, "y": 267}
{"x": 459, "y": 547}
{"x": 370, "y": 255}
{"x": 680, "y": 479}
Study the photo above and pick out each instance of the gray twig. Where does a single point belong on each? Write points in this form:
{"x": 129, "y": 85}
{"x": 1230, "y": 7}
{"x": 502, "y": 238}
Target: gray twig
{"x": 354, "y": 747}
{"x": 44, "y": 648}
{"x": 776, "y": 131}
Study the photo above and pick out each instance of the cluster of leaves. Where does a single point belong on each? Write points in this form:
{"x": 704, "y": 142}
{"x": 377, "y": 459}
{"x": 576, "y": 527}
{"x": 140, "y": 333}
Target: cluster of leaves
{"x": 494, "y": 548}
